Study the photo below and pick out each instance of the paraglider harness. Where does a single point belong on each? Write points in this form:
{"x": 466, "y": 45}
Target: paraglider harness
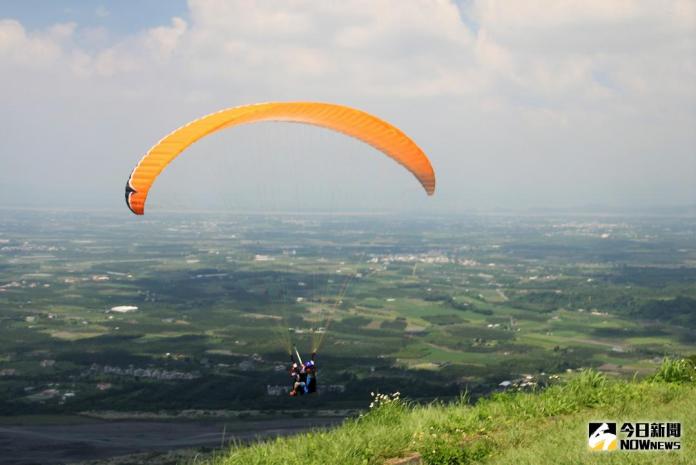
{"x": 304, "y": 375}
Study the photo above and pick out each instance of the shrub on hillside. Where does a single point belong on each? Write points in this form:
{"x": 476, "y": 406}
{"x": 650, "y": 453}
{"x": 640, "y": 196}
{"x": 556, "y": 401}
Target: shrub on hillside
{"x": 676, "y": 371}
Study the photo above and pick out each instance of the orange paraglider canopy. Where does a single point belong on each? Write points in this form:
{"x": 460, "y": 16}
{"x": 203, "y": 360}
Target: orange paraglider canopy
{"x": 355, "y": 123}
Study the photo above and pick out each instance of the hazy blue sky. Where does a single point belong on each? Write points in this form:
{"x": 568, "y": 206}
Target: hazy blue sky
{"x": 518, "y": 104}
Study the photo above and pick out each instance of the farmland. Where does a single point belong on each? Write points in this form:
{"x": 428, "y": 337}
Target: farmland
{"x": 171, "y": 312}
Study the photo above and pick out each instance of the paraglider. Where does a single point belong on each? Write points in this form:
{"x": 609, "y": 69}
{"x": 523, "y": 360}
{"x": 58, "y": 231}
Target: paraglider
{"x": 303, "y": 375}
{"x": 358, "y": 124}
{"x": 355, "y": 123}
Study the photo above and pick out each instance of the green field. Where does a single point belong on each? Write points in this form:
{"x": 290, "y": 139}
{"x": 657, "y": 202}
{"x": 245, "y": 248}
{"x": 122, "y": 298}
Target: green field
{"x": 425, "y": 306}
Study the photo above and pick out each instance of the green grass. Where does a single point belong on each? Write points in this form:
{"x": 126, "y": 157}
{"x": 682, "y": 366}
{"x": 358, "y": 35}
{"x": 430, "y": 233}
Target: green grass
{"x": 544, "y": 427}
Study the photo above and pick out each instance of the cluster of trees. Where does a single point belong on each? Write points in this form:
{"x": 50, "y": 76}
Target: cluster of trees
{"x": 680, "y": 311}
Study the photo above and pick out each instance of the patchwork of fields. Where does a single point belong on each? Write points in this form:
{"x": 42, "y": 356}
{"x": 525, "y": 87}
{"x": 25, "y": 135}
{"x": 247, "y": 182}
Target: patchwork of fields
{"x": 113, "y": 312}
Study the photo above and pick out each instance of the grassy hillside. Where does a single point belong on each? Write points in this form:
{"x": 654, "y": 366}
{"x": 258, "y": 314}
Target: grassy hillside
{"x": 535, "y": 428}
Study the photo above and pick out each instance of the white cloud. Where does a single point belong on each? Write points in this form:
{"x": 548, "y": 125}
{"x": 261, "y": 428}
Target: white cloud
{"x": 17, "y": 48}
{"x": 529, "y": 85}
{"x": 163, "y": 41}
{"x": 536, "y": 48}
{"x": 102, "y": 12}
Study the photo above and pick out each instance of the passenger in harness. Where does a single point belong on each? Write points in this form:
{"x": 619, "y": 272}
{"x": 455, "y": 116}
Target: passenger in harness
{"x": 311, "y": 373}
{"x": 303, "y": 375}
{"x": 298, "y": 384}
